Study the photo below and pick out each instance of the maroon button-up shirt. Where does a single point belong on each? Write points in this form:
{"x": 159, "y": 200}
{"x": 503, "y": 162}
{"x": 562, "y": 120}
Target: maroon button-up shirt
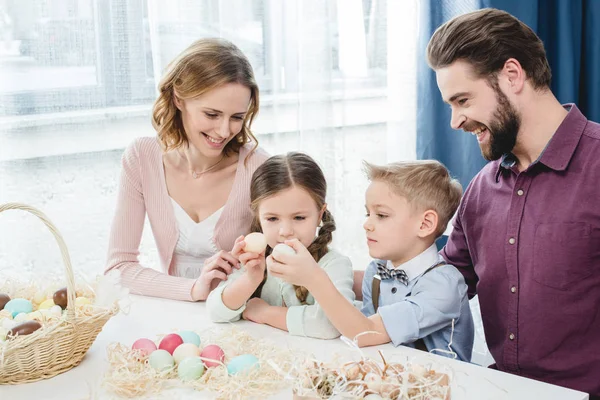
{"x": 528, "y": 243}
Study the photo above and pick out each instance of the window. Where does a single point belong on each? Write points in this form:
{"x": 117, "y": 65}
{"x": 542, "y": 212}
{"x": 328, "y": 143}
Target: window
{"x": 78, "y": 78}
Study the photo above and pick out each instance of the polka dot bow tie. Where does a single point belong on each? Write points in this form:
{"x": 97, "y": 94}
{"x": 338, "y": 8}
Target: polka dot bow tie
{"x": 386, "y": 274}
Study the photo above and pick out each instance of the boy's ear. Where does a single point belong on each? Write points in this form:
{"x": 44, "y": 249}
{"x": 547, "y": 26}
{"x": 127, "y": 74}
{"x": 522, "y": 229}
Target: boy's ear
{"x": 429, "y": 222}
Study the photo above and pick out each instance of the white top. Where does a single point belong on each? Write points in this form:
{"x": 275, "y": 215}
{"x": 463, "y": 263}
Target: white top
{"x": 302, "y": 320}
{"x": 196, "y": 242}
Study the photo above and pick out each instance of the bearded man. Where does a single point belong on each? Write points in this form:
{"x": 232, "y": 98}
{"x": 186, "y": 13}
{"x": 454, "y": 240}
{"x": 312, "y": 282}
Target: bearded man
{"x": 526, "y": 236}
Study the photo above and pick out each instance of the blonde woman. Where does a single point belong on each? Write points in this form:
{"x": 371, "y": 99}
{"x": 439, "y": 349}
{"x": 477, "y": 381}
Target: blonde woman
{"x": 193, "y": 179}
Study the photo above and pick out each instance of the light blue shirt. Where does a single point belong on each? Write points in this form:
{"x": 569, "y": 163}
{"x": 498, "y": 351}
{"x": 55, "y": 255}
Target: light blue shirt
{"x": 425, "y": 307}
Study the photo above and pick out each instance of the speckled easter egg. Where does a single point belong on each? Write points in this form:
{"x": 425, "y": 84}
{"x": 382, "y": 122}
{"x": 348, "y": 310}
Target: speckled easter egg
{"x": 190, "y": 368}
{"x": 242, "y": 364}
{"x": 190, "y": 337}
{"x": 170, "y": 342}
{"x": 145, "y": 346}
{"x": 161, "y": 360}
{"x": 17, "y": 306}
{"x": 213, "y": 352}
{"x": 184, "y": 351}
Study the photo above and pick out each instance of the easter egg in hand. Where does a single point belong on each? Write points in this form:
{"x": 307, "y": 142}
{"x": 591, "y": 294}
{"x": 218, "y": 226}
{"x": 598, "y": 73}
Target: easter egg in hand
{"x": 60, "y": 298}
{"x": 255, "y": 242}
{"x": 145, "y": 346}
{"x": 184, "y": 351}
{"x": 4, "y": 298}
{"x": 17, "y": 306}
{"x": 242, "y": 364}
{"x": 190, "y": 369}
{"x": 212, "y": 352}
{"x": 282, "y": 248}
{"x": 190, "y": 337}
{"x": 161, "y": 360}
{"x": 170, "y": 342}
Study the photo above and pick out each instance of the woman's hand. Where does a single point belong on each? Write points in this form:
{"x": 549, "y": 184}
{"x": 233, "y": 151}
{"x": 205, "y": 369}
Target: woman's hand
{"x": 215, "y": 270}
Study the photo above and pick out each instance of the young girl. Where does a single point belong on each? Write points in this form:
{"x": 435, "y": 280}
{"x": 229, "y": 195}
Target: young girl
{"x": 288, "y": 200}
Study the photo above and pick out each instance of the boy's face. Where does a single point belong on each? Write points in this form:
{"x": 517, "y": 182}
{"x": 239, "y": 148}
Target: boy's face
{"x": 392, "y": 225}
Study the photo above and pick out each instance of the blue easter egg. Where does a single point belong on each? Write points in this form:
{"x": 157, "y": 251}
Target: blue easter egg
{"x": 242, "y": 363}
{"x": 17, "y": 306}
{"x": 190, "y": 337}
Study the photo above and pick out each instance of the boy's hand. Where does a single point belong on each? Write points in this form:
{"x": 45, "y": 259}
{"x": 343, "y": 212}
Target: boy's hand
{"x": 298, "y": 269}
{"x": 256, "y": 310}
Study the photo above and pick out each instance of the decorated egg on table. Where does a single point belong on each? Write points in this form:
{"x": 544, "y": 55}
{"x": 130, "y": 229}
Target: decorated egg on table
{"x": 4, "y": 298}
{"x": 190, "y": 337}
{"x": 255, "y": 242}
{"x": 184, "y": 351}
{"x": 282, "y": 248}
{"x": 24, "y": 328}
{"x": 212, "y": 352}
{"x": 190, "y": 368}
{"x": 17, "y": 306}
{"x": 161, "y": 360}
{"x": 145, "y": 346}
{"x": 60, "y": 298}
{"x": 46, "y": 304}
{"x": 170, "y": 342}
{"x": 241, "y": 364}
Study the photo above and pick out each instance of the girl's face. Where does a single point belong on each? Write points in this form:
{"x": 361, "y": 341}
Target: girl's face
{"x": 289, "y": 214}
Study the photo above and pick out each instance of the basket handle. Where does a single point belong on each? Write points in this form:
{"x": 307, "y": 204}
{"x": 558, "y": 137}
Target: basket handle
{"x": 61, "y": 245}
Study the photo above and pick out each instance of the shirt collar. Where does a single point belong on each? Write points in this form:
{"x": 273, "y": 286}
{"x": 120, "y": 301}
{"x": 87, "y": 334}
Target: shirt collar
{"x": 560, "y": 148}
{"x": 419, "y": 264}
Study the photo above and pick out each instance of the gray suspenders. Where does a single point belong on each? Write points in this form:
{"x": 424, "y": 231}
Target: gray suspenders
{"x": 375, "y": 290}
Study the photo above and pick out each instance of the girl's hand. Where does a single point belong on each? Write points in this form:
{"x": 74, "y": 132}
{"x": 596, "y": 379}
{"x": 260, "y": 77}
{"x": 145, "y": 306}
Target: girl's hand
{"x": 253, "y": 263}
{"x": 256, "y": 310}
{"x": 215, "y": 270}
{"x": 299, "y": 269}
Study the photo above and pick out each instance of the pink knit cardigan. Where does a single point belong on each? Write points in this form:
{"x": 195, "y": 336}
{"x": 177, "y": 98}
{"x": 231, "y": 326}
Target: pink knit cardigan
{"x": 143, "y": 190}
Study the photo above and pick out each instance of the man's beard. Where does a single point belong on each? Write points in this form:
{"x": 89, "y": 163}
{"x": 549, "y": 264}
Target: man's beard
{"x": 502, "y": 130}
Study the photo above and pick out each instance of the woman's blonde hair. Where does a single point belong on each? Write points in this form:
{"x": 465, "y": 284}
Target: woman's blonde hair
{"x": 425, "y": 184}
{"x": 283, "y": 172}
{"x": 205, "y": 65}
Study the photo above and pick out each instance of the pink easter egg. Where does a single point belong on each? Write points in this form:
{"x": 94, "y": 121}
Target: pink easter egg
{"x": 212, "y": 352}
{"x": 145, "y": 346}
{"x": 170, "y": 342}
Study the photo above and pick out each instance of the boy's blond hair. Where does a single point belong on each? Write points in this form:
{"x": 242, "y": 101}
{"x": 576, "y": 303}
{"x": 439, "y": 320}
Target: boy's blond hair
{"x": 426, "y": 185}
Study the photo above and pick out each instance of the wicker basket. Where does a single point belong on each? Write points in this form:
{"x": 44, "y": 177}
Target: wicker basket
{"x": 57, "y": 348}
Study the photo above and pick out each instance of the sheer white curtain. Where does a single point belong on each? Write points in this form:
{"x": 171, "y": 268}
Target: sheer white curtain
{"x": 78, "y": 77}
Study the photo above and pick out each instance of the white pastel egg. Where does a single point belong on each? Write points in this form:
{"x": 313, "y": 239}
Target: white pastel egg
{"x": 255, "y": 242}
{"x": 39, "y": 297}
{"x": 56, "y": 311}
{"x": 185, "y": 350}
{"x": 21, "y": 317}
{"x": 283, "y": 248}
{"x": 8, "y": 324}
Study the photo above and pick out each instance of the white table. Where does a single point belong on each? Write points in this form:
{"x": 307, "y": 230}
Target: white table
{"x": 83, "y": 382}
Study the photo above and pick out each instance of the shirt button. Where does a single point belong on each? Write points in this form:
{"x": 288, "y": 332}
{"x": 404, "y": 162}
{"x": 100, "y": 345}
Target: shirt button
{"x": 394, "y": 290}
{"x": 511, "y": 240}
{"x": 511, "y": 336}
{"x": 520, "y": 192}
{"x": 513, "y": 289}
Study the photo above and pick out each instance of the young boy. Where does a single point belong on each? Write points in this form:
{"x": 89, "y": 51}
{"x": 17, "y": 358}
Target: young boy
{"x": 410, "y": 295}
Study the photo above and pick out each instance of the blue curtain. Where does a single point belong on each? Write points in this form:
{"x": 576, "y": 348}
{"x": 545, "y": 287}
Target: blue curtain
{"x": 570, "y": 30}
